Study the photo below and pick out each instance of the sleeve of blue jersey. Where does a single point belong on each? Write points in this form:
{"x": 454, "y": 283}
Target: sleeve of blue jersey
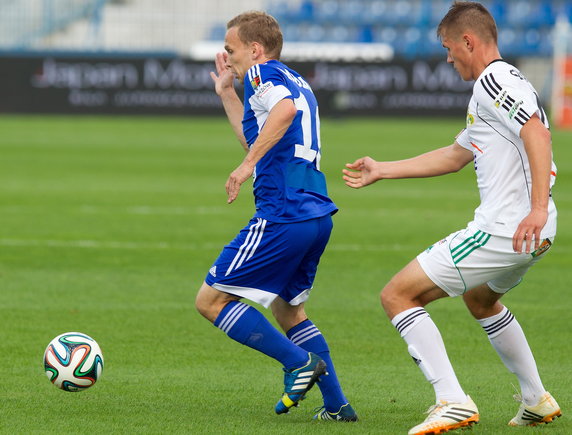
{"x": 263, "y": 73}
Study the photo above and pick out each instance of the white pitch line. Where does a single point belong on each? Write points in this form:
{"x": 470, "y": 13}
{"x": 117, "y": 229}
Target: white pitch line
{"x": 96, "y": 244}
{"x": 136, "y": 210}
{"x": 101, "y": 244}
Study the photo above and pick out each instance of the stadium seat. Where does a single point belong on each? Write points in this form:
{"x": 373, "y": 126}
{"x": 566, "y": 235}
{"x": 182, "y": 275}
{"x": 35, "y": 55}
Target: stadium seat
{"x": 409, "y": 25}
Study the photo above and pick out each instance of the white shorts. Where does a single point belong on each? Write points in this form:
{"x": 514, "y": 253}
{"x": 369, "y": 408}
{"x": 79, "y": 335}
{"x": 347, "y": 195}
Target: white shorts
{"x": 470, "y": 257}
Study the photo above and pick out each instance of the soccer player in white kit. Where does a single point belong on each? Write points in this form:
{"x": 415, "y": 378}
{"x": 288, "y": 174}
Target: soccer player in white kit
{"x": 507, "y": 138}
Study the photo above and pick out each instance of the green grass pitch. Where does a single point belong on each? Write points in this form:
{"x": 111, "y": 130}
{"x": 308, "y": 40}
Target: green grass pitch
{"x": 109, "y": 225}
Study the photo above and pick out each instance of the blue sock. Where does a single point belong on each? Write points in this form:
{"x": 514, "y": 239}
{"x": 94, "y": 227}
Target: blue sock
{"x": 248, "y": 326}
{"x": 308, "y": 337}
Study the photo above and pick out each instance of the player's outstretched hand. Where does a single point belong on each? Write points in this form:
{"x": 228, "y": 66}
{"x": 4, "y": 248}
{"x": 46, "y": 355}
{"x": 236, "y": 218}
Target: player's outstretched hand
{"x": 235, "y": 180}
{"x": 360, "y": 173}
{"x": 223, "y": 78}
{"x": 528, "y": 229}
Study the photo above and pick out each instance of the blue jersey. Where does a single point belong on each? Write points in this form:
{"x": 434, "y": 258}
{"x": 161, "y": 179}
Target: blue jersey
{"x": 288, "y": 184}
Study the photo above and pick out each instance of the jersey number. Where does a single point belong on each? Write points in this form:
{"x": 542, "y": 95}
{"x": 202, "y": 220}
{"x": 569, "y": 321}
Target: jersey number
{"x": 306, "y": 151}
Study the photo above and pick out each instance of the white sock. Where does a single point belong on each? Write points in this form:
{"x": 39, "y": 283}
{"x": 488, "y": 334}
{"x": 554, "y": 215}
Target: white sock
{"x": 427, "y": 349}
{"x": 507, "y": 337}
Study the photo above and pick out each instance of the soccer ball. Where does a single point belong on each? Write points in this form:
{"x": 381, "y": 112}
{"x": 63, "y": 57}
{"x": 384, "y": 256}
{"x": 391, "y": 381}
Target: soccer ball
{"x": 73, "y": 361}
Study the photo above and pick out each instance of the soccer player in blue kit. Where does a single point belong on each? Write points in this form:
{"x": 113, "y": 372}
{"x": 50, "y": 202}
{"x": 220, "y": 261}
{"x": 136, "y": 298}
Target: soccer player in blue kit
{"x": 273, "y": 260}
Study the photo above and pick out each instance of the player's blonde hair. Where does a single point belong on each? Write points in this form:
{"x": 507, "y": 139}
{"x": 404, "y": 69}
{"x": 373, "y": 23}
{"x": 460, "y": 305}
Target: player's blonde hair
{"x": 258, "y": 26}
{"x": 467, "y": 15}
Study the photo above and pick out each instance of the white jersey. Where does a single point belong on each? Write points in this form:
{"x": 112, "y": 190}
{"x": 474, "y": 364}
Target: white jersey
{"x": 503, "y": 100}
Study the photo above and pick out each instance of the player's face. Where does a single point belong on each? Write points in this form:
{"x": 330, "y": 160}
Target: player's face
{"x": 239, "y": 58}
{"x": 459, "y": 55}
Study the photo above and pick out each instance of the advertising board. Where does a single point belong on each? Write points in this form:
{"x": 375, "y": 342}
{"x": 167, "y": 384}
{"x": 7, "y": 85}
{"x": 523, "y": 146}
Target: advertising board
{"x": 178, "y": 86}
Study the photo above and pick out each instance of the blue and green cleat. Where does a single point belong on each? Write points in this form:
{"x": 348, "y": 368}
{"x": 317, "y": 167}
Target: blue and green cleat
{"x": 297, "y": 382}
{"x": 345, "y": 413}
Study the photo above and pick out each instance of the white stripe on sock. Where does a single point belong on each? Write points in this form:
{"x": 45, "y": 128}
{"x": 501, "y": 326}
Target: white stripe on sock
{"x": 305, "y": 334}
{"x": 232, "y": 317}
{"x": 307, "y": 337}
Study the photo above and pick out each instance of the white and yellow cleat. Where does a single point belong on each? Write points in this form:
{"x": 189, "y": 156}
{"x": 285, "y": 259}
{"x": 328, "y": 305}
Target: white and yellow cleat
{"x": 544, "y": 412}
{"x": 446, "y": 416}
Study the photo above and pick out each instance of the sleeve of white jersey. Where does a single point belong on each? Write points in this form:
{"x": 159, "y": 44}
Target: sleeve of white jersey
{"x": 268, "y": 86}
{"x": 463, "y": 140}
{"x": 508, "y": 97}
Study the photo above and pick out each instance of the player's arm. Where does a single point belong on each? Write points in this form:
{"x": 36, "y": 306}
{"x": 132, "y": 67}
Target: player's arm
{"x": 224, "y": 87}
{"x": 441, "y": 161}
{"x": 279, "y": 120}
{"x": 538, "y": 146}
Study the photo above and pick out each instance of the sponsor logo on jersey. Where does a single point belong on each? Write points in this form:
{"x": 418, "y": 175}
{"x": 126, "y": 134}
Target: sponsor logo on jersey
{"x": 500, "y": 99}
{"x": 440, "y": 242}
{"x": 514, "y": 109}
{"x": 212, "y": 271}
{"x": 263, "y": 89}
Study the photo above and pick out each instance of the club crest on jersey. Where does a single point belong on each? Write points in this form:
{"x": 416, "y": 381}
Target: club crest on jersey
{"x": 544, "y": 246}
{"x": 255, "y": 82}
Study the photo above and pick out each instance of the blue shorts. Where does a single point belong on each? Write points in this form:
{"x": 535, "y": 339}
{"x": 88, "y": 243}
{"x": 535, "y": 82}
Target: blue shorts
{"x": 269, "y": 259}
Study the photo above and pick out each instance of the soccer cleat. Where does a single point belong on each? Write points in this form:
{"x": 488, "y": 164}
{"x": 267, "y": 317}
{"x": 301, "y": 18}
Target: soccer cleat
{"x": 297, "y": 382}
{"x": 546, "y": 411}
{"x": 446, "y": 416}
{"x": 345, "y": 413}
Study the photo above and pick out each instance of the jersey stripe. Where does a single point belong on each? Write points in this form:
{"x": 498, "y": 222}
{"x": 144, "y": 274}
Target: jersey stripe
{"x": 494, "y": 89}
{"x": 499, "y": 87}
{"x": 485, "y": 86}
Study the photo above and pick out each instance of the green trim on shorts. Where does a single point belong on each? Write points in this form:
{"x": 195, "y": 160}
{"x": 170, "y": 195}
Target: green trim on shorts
{"x": 458, "y": 271}
{"x": 476, "y": 241}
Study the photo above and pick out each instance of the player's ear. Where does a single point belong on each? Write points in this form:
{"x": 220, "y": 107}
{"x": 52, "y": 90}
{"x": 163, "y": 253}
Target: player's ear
{"x": 469, "y": 41}
{"x": 256, "y": 50}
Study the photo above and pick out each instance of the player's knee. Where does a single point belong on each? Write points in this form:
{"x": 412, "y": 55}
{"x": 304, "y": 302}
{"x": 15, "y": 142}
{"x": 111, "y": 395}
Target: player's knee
{"x": 481, "y": 310}
{"x": 482, "y": 302}
{"x": 206, "y": 306}
{"x": 389, "y": 297}
{"x": 287, "y": 315}
{"x": 201, "y": 305}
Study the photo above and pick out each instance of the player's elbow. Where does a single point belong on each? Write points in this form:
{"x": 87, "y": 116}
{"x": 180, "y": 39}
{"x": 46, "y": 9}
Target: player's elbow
{"x": 450, "y": 166}
{"x": 457, "y": 166}
{"x": 289, "y": 111}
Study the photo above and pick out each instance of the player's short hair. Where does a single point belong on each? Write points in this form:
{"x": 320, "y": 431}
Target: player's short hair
{"x": 258, "y": 26}
{"x": 468, "y": 15}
